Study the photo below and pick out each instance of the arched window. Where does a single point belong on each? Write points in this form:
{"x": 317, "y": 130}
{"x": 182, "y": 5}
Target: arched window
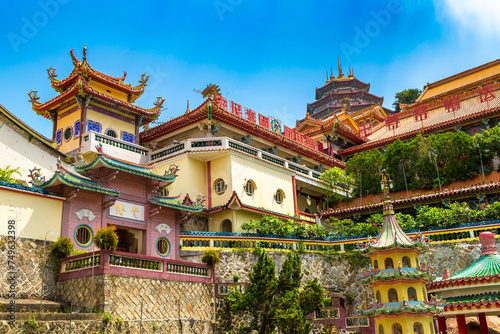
{"x": 393, "y": 295}
{"x": 111, "y": 133}
{"x": 220, "y": 186}
{"x": 418, "y": 328}
{"x": 250, "y": 187}
{"x": 406, "y": 262}
{"x": 412, "y": 294}
{"x": 306, "y": 210}
{"x": 163, "y": 246}
{"x": 397, "y": 329}
{"x": 388, "y": 263}
{"x": 226, "y": 226}
{"x": 380, "y": 329}
{"x": 377, "y": 296}
{"x": 83, "y": 235}
{"x": 375, "y": 264}
{"x": 279, "y": 196}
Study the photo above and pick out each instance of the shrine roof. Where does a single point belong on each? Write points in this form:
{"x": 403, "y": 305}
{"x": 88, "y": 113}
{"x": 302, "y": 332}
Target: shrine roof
{"x": 63, "y": 176}
{"x": 351, "y": 95}
{"x": 332, "y": 84}
{"x": 395, "y": 274}
{"x": 83, "y": 68}
{"x": 175, "y": 203}
{"x": 334, "y": 124}
{"x": 438, "y": 119}
{"x": 460, "y": 80}
{"x": 104, "y": 160}
{"x": 81, "y": 87}
{"x": 201, "y": 113}
{"x": 405, "y": 307}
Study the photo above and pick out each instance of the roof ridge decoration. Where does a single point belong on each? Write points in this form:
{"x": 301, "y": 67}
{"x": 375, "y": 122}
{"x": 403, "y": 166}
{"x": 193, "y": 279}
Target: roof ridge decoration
{"x": 80, "y": 78}
{"x": 175, "y": 203}
{"x": 146, "y": 171}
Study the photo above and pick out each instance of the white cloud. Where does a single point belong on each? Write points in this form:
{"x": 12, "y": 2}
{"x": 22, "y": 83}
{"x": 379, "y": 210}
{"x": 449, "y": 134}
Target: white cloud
{"x": 478, "y": 17}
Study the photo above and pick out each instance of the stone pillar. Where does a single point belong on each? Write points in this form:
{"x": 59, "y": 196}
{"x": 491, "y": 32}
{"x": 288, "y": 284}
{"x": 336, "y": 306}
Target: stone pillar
{"x": 441, "y": 324}
{"x": 483, "y": 325}
{"x": 462, "y": 325}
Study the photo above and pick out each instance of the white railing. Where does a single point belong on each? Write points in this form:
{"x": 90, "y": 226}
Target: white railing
{"x": 116, "y": 148}
{"x": 224, "y": 143}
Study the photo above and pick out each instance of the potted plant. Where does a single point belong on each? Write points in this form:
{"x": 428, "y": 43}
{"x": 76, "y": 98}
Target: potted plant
{"x": 235, "y": 278}
{"x": 210, "y": 257}
{"x": 106, "y": 238}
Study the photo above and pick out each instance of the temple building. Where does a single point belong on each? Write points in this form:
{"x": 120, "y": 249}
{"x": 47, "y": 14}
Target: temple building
{"x": 475, "y": 291}
{"x": 398, "y": 279}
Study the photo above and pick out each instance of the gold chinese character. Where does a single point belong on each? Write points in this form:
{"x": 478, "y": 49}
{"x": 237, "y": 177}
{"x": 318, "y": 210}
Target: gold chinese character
{"x": 119, "y": 209}
{"x": 134, "y": 211}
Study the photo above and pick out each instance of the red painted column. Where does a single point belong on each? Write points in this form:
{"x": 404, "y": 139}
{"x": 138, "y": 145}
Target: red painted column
{"x": 209, "y": 185}
{"x": 462, "y": 325}
{"x": 483, "y": 325}
{"x": 441, "y": 324}
{"x": 295, "y": 196}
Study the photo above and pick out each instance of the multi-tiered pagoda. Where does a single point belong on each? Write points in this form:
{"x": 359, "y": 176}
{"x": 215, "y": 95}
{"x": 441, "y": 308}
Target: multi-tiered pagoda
{"x": 398, "y": 279}
{"x": 342, "y": 93}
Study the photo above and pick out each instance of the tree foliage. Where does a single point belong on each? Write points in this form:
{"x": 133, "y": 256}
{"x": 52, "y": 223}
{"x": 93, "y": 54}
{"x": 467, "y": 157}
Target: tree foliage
{"x": 277, "y": 301}
{"x": 6, "y": 174}
{"x": 336, "y": 180}
{"x": 406, "y": 96}
{"x": 365, "y": 168}
{"x": 277, "y": 226}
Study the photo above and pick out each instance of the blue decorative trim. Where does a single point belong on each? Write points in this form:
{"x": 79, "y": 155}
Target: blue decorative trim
{"x": 111, "y": 114}
{"x": 94, "y": 126}
{"x": 76, "y": 240}
{"x": 169, "y": 247}
{"x": 128, "y": 137}
{"x": 77, "y": 129}
{"x": 26, "y": 188}
{"x": 67, "y": 112}
{"x": 59, "y": 137}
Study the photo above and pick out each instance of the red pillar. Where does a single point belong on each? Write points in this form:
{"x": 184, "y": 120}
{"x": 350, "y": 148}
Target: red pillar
{"x": 462, "y": 325}
{"x": 482, "y": 323}
{"x": 441, "y": 324}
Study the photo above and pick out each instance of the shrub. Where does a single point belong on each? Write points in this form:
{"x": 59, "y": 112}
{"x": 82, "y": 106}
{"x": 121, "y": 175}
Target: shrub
{"x": 106, "y": 238}
{"x": 210, "y": 257}
{"x": 62, "y": 248}
{"x": 106, "y": 318}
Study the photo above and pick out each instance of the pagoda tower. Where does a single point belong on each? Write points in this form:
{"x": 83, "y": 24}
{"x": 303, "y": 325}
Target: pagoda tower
{"x": 342, "y": 93}
{"x": 89, "y": 100}
{"x": 397, "y": 278}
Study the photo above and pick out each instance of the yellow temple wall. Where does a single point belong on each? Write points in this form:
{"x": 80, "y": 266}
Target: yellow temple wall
{"x": 109, "y": 91}
{"x": 242, "y": 217}
{"x": 35, "y": 215}
{"x": 302, "y": 204}
{"x": 63, "y": 123}
{"x": 397, "y": 258}
{"x": 402, "y": 289}
{"x": 407, "y": 324}
{"x": 221, "y": 168}
{"x": 215, "y": 220}
{"x": 109, "y": 122}
{"x": 267, "y": 181}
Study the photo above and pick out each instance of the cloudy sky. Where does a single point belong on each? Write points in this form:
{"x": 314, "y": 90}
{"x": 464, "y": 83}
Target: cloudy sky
{"x": 266, "y": 55}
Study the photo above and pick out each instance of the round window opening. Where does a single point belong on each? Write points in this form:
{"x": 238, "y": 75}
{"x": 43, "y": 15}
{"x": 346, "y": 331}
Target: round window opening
{"x": 249, "y": 188}
{"x": 111, "y": 133}
{"x": 68, "y": 133}
{"x": 220, "y": 186}
{"x": 163, "y": 246}
{"x": 83, "y": 235}
{"x": 278, "y": 197}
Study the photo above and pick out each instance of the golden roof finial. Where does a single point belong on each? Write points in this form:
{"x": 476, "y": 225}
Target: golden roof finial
{"x": 327, "y": 81}
{"x": 332, "y": 77}
{"x": 341, "y": 75}
{"x": 84, "y": 52}
{"x": 351, "y": 73}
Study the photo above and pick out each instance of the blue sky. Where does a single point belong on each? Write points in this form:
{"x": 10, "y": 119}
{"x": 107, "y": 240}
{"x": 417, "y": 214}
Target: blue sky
{"x": 266, "y": 55}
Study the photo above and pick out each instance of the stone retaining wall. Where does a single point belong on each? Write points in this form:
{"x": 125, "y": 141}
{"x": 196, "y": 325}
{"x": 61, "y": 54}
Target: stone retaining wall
{"x": 30, "y": 259}
{"x": 188, "y": 304}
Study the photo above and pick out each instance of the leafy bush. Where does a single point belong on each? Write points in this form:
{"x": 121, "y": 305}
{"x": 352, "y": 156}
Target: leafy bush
{"x": 62, "y": 248}
{"x": 106, "y": 318}
{"x": 106, "y": 238}
{"x": 210, "y": 257}
{"x": 283, "y": 228}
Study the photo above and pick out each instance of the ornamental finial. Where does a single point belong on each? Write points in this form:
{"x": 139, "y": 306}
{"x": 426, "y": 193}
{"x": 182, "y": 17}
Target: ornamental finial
{"x": 85, "y": 53}
{"x": 144, "y": 78}
{"x": 36, "y": 176}
{"x": 33, "y": 95}
{"x": 488, "y": 246}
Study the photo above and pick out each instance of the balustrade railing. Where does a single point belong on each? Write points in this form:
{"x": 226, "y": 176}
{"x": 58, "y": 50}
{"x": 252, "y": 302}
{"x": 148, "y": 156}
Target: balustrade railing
{"x": 121, "y": 263}
{"x": 223, "y": 289}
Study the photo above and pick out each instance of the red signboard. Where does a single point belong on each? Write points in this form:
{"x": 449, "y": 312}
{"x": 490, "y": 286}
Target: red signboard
{"x": 420, "y": 113}
{"x": 309, "y": 142}
{"x": 264, "y": 121}
{"x": 250, "y": 114}
{"x": 486, "y": 94}
{"x": 365, "y": 128}
{"x": 452, "y": 104}
{"x": 221, "y": 102}
{"x": 289, "y": 132}
{"x": 236, "y": 109}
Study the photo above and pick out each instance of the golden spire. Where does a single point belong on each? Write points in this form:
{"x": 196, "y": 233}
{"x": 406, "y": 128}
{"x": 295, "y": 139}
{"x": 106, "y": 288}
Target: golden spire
{"x": 332, "y": 77}
{"x": 351, "y": 73}
{"x": 327, "y": 81}
{"x": 341, "y": 75}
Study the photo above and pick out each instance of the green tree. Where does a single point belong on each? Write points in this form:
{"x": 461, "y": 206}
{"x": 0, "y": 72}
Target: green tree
{"x": 406, "y": 96}
{"x": 277, "y": 302}
{"x": 338, "y": 183}
{"x": 365, "y": 168}
{"x": 6, "y": 174}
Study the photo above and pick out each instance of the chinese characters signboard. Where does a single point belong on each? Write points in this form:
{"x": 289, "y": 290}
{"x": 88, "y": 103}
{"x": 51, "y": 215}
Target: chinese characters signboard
{"x": 128, "y": 211}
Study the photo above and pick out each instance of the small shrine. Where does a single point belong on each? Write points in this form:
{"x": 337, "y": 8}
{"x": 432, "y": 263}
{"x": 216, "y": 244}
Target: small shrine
{"x": 474, "y": 292}
{"x": 397, "y": 278}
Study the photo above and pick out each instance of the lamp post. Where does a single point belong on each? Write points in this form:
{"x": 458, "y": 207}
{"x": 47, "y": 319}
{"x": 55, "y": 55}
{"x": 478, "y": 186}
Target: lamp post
{"x": 386, "y": 183}
{"x": 45, "y": 255}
